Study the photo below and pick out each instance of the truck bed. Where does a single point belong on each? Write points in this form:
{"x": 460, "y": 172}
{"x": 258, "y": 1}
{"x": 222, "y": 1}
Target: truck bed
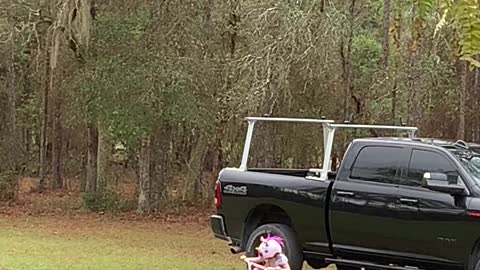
{"x": 284, "y": 190}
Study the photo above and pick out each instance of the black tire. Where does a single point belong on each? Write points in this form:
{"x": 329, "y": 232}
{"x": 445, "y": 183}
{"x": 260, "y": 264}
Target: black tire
{"x": 292, "y": 248}
{"x": 476, "y": 262}
{"x": 317, "y": 263}
{"x": 343, "y": 267}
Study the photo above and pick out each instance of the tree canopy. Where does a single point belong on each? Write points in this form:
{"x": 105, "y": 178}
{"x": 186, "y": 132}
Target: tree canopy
{"x": 154, "y": 93}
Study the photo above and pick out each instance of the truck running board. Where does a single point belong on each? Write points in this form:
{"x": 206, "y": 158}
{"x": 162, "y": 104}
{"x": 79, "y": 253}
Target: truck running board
{"x": 368, "y": 265}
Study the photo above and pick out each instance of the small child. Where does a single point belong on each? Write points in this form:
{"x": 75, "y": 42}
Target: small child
{"x": 270, "y": 254}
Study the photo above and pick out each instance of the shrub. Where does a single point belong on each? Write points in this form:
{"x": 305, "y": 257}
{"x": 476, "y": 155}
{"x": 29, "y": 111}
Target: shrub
{"x": 8, "y": 185}
{"x": 105, "y": 201}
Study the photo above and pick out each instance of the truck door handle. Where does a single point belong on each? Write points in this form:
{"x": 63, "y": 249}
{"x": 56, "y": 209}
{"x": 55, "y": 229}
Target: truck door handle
{"x": 345, "y": 193}
{"x": 405, "y": 200}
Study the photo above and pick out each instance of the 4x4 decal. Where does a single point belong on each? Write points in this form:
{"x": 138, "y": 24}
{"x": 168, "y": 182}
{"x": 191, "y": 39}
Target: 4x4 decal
{"x": 230, "y": 189}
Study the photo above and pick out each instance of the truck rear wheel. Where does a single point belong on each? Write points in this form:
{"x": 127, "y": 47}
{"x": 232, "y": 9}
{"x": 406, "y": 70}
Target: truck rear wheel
{"x": 292, "y": 248}
{"x": 476, "y": 262}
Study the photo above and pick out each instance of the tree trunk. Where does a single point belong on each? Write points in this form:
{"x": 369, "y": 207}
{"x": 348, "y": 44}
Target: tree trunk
{"x": 195, "y": 167}
{"x": 394, "y": 103}
{"x": 386, "y": 54}
{"x": 386, "y": 33}
{"x": 28, "y": 141}
{"x": 476, "y": 89}
{"x": 83, "y": 179}
{"x": 144, "y": 173}
{"x": 346, "y": 64}
{"x": 12, "y": 121}
{"x": 161, "y": 163}
{"x": 462, "y": 97}
{"x": 220, "y": 119}
{"x": 92, "y": 151}
{"x": 57, "y": 143}
{"x": 414, "y": 106}
{"x": 102, "y": 158}
{"x": 8, "y": 135}
{"x": 56, "y": 94}
{"x": 44, "y": 123}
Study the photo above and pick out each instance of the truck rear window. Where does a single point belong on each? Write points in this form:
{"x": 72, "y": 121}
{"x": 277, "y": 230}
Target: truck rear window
{"x": 377, "y": 164}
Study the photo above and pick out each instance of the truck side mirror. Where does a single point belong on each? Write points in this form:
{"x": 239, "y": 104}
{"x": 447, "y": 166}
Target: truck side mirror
{"x": 441, "y": 182}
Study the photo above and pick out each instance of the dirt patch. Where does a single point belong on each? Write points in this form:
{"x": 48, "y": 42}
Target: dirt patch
{"x": 67, "y": 207}
{"x": 57, "y": 202}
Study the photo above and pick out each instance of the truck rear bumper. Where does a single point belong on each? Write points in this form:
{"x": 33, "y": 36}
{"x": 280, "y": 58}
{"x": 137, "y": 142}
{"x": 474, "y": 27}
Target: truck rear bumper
{"x": 218, "y": 227}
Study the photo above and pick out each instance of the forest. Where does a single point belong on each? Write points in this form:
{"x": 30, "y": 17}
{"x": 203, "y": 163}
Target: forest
{"x": 138, "y": 104}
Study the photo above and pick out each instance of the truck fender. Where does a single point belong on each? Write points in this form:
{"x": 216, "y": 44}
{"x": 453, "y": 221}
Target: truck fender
{"x": 262, "y": 214}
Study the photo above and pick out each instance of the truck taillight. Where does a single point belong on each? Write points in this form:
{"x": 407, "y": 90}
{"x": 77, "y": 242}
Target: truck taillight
{"x": 218, "y": 194}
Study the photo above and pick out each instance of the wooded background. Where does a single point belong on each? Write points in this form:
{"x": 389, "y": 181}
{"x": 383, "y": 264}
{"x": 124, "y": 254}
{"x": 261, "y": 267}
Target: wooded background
{"x": 96, "y": 93}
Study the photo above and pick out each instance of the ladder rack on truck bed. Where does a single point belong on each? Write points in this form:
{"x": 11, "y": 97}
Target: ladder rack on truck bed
{"x": 329, "y": 128}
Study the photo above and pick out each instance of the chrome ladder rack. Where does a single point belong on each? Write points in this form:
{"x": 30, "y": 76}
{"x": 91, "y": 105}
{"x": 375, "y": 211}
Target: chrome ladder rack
{"x": 329, "y": 128}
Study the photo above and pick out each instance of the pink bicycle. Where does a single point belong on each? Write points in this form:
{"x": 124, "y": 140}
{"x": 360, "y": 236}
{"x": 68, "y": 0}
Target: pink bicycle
{"x": 254, "y": 266}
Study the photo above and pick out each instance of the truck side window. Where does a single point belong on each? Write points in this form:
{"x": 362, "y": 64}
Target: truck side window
{"x": 377, "y": 164}
{"x": 426, "y": 161}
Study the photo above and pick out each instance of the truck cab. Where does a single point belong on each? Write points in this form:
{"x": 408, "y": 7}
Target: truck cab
{"x": 411, "y": 202}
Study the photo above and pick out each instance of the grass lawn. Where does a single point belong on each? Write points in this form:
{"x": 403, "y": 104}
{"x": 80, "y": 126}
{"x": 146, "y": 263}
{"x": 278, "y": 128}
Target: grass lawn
{"x": 54, "y": 243}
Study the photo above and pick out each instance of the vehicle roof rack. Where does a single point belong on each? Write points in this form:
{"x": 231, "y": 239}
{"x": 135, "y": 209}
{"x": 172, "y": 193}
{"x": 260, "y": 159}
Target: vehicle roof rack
{"x": 329, "y": 128}
{"x": 291, "y": 120}
{"x": 374, "y": 127}
{"x": 461, "y": 144}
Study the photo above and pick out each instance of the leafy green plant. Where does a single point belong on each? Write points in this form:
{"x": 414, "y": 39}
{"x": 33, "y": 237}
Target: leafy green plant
{"x": 464, "y": 16}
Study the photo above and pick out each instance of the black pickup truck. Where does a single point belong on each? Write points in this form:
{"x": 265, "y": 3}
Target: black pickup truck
{"x": 393, "y": 203}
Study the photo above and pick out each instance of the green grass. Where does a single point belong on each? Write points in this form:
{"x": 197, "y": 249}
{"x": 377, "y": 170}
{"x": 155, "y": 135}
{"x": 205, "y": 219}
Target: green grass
{"x": 79, "y": 243}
